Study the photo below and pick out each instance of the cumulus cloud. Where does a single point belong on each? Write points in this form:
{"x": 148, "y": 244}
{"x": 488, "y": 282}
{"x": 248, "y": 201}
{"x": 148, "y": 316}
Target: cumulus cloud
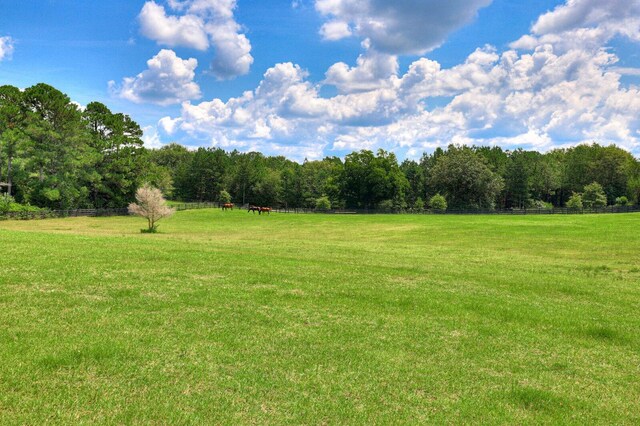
{"x": 550, "y": 94}
{"x": 409, "y": 26}
{"x": 201, "y": 24}
{"x": 371, "y": 71}
{"x": 587, "y": 13}
{"x": 168, "y": 80}
{"x": 6, "y": 47}
{"x": 172, "y": 31}
{"x": 233, "y": 50}
{"x": 335, "y": 30}
{"x": 151, "y": 138}
{"x": 584, "y": 23}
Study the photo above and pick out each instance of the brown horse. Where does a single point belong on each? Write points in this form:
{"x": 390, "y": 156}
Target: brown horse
{"x": 266, "y": 210}
{"x": 253, "y": 209}
{"x": 226, "y": 206}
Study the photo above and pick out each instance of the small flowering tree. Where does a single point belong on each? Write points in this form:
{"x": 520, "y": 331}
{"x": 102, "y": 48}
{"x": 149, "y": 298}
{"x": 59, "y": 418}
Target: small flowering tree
{"x": 151, "y": 205}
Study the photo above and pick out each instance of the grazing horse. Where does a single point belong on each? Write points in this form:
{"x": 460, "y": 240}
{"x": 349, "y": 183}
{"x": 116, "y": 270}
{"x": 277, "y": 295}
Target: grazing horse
{"x": 266, "y": 210}
{"x": 253, "y": 209}
{"x": 226, "y": 206}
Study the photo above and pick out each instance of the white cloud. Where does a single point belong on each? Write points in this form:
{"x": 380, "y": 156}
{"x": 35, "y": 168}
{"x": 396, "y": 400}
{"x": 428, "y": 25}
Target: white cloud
{"x": 408, "y": 26}
{"x": 372, "y": 71}
{"x": 187, "y": 31}
{"x": 588, "y": 13}
{"x": 335, "y": 30}
{"x": 626, "y": 71}
{"x": 6, "y": 47}
{"x": 233, "y": 50}
{"x": 168, "y": 80}
{"x": 151, "y": 138}
{"x": 202, "y": 24}
{"x": 550, "y": 94}
{"x": 584, "y": 24}
{"x": 169, "y": 125}
{"x": 533, "y": 100}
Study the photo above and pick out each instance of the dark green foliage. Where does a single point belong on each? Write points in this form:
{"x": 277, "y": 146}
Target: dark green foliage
{"x": 323, "y": 203}
{"x": 419, "y": 204}
{"x": 438, "y": 202}
{"x": 385, "y": 206}
{"x": 465, "y": 179}
{"x": 9, "y": 205}
{"x": 6, "y": 203}
{"x": 369, "y": 179}
{"x": 622, "y": 201}
{"x": 53, "y": 155}
{"x": 575, "y": 201}
{"x": 594, "y": 196}
{"x": 224, "y": 197}
{"x": 205, "y": 175}
{"x": 119, "y": 158}
{"x": 416, "y": 180}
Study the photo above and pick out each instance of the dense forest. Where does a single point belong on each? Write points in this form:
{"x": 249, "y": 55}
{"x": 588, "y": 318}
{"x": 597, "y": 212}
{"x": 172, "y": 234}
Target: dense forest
{"x": 56, "y": 155}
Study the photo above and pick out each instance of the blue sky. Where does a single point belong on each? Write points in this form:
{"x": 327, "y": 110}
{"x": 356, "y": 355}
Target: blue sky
{"x": 308, "y": 78}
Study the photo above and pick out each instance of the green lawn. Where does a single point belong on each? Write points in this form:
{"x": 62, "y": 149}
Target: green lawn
{"x": 321, "y": 319}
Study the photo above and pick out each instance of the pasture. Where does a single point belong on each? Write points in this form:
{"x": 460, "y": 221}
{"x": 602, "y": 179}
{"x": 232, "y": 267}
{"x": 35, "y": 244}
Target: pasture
{"x": 231, "y": 317}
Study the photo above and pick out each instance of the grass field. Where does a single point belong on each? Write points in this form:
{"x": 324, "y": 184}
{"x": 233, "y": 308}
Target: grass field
{"x": 321, "y": 319}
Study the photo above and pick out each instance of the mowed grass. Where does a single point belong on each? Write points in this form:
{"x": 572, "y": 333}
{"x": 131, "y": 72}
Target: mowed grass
{"x": 232, "y": 317}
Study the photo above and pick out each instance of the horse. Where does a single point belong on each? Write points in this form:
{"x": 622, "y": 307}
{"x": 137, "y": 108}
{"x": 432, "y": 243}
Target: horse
{"x": 253, "y": 209}
{"x": 226, "y": 206}
{"x": 266, "y": 210}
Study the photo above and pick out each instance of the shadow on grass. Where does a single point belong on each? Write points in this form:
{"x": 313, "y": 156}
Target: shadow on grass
{"x": 97, "y": 354}
{"x": 533, "y": 399}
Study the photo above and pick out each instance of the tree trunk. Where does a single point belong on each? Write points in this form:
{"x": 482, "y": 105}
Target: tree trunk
{"x": 9, "y": 180}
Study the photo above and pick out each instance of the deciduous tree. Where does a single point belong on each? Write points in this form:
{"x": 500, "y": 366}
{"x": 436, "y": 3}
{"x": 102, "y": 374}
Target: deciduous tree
{"x": 465, "y": 179}
{"x": 151, "y": 205}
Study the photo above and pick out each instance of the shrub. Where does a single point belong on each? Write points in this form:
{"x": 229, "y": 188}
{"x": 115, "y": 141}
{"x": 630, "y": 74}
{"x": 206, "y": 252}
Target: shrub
{"x": 386, "y": 205}
{"x": 575, "y": 201}
{"x": 9, "y": 205}
{"x": 6, "y": 201}
{"x": 622, "y": 201}
{"x": 438, "y": 202}
{"x": 323, "y": 203}
{"x": 594, "y": 196}
{"x": 399, "y": 202}
{"x": 419, "y": 204}
{"x": 152, "y": 206}
{"x": 224, "y": 197}
{"x": 539, "y": 204}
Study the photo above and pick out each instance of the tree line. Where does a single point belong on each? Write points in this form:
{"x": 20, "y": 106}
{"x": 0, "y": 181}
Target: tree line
{"x": 56, "y": 155}
{"x": 465, "y": 177}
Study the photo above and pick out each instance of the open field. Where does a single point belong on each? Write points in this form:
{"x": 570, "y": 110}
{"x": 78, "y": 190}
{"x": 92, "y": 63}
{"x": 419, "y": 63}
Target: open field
{"x": 239, "y": 318}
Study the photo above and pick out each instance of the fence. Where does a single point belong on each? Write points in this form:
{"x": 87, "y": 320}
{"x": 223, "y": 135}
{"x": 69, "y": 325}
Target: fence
{"x": 555, "y": 210}
{"x": 49, "y": 214}
{"x": 46, "y": 214}
{"x": 193, "y": 206}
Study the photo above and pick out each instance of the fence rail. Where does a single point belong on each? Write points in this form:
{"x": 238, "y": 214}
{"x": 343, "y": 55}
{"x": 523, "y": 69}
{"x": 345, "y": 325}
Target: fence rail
{"x": 47, "y": 214}
{"x": 50, "y": 214}
{"x": 194, "y": 206}
{"x": 536, "y": 211}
